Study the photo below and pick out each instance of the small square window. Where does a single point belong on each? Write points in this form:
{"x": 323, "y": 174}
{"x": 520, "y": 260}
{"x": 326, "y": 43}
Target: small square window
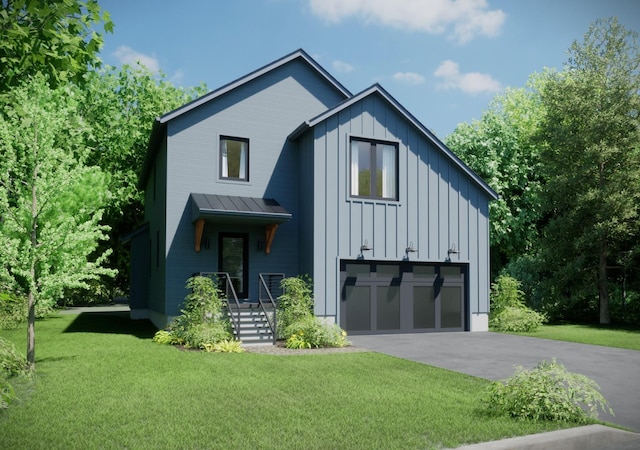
{"x": 374, "y": 169}
{"x": 234, "y": 158}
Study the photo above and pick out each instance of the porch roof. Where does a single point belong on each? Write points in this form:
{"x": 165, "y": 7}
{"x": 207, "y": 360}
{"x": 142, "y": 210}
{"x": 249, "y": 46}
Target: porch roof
{"x": 232, "y": 209}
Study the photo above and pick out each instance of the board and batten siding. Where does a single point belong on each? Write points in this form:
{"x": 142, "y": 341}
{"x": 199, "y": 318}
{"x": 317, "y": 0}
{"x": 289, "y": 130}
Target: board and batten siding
{"x": 265, "y": 111}
{"x": 438, "y": 205}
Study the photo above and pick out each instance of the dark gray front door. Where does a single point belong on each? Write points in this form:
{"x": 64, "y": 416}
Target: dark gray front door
{"x": 233, "y": 258}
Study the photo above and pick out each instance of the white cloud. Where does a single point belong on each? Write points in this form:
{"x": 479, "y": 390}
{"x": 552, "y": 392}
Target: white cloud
{"x": 408, "y": 78}
{"x": 461, "y": 19}
{"x": 127, "y": 55}
{"x": 342, "y": 67}
{"x": 177, "y": 77}
{"x": 471, "y": 83}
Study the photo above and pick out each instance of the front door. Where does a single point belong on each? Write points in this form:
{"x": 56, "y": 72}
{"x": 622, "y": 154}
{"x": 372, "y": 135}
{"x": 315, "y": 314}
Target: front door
{"x": 233, "y": 252}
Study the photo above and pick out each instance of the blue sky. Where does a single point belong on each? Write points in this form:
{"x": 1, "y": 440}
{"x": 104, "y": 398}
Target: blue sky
{"x": 444, "y": 60}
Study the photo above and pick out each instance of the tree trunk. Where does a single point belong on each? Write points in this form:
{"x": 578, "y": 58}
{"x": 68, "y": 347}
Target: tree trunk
{"x": 603, "y": 285}
{"x": 31, "y": 332}
{"x": 31, "y": 318}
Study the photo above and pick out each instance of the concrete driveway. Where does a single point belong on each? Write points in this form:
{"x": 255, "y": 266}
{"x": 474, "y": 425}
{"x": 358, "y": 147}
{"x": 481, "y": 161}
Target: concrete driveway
{"x": 494, "y": 356}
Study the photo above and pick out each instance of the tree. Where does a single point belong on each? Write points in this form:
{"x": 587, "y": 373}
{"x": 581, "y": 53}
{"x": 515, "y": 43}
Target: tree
{"x": 120, "y": 106}
{"x": 50, "y": 201}
{"x": 501, "y": 149}
{"x": 592, "y": 162}
{"x": 56, "y": 38}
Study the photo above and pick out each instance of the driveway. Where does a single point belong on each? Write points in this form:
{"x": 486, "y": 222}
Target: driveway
{"x": 494, "y": 356}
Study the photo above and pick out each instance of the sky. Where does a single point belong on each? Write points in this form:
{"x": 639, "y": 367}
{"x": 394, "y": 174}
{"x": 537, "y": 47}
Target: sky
{"x": 443, "y": 60}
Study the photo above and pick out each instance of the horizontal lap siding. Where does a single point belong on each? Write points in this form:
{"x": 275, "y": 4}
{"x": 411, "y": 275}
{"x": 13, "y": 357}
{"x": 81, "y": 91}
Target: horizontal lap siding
{"x": 265, "y": 111}
{"x": 438, "y": 204}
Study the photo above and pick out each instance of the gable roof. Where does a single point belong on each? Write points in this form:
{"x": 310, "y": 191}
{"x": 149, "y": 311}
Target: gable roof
{"x": 376, "y": 89}
{"x": 160, "y": 124}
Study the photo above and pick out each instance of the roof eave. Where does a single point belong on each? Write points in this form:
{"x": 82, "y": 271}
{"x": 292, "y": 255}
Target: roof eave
{"x": 378, "y": 89}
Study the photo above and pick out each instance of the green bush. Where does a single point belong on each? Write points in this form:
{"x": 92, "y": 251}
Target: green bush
{"x": 296, "y": 322}
{"x": 12, "y": 364}
{"x": 7, "y": 394}
{"x": 508, "y": 310}
{"x": 202, "y": 320}
{"x": 547, "y": 392}
{"x": 225, "y": 346}
{"x": 13, "y": 310}
{"x": 311, "y": 332}
{"x": 163, "y": 337}
{"x": 516, "y": 320}
{"x": 296, "y": 302}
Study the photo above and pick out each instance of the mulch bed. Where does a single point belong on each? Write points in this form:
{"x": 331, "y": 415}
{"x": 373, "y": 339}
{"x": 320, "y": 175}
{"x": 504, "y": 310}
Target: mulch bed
{"x": 280, "y": 349}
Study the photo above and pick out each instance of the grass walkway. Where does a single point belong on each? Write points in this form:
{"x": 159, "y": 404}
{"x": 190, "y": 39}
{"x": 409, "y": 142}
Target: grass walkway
{"x": 102, "y": 383}
{"x": 590, "y": 334}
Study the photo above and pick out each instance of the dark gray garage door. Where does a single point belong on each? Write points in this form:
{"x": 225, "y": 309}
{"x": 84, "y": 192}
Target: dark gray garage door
{"x": 396, "y": 297}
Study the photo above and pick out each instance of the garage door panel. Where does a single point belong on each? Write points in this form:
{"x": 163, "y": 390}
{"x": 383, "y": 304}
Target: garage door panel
{"x": 424, "y": 307}
{"x": 451, "y": 307}
{"x": 358, "y": 308}
{"x": 388, "y": 307}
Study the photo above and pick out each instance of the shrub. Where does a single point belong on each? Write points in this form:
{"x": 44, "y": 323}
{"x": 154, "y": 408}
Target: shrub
{"x": 225, "y": 346}
{"x": 201, "y": 320}
{"x": 547, "y": 392}
{"x": 196, "y": 336}
{"x": 296, "y": 322}
{"x": 12, "y": 364}
{"x": 13, "y": 310}
{"x": 517, "y": 320}
{"x": 311, "y": 332}
{"x": 508, "y": 310}
{"x": 296, "y": 302}
{"x": 163, "y": 337}
{"x": 7, "y": 395}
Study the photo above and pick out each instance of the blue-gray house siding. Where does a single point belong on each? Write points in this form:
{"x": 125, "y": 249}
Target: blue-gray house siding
{"x": 440, "y": 203}
{"x": 299, "y": 122}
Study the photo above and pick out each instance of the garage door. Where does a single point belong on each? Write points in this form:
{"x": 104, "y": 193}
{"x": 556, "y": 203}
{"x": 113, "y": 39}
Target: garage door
{"x": 402, "y": 297}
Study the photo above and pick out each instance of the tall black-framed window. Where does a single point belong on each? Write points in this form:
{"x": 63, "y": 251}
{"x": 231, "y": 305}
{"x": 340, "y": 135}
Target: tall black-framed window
{"x": 374, "y": 169}
{"x": 234, "y": 158}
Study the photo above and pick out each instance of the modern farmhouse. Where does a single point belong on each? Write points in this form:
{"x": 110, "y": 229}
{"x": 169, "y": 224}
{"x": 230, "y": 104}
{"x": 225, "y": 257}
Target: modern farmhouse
{"x": 285, "y": 172}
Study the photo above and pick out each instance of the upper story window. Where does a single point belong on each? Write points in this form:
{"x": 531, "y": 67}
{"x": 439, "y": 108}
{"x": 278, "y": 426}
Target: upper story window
{"x": 234, "y": 158}
{"x": 374, "y": 169}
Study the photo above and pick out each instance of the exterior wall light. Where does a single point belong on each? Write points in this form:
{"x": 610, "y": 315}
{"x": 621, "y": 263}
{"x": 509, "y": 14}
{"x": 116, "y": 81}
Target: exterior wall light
{"x": 365, "y": 247}
{"x": 411, "y": 248}
{"x": 452, "y": 250}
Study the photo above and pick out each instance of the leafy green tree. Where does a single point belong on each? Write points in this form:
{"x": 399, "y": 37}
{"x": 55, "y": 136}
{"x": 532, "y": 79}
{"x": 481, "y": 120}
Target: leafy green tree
{"x": 120, "y": 105}
{"x": 55, "y": 37}
{"x": 592, "y": 164}
{"x": 500, "y": 148}
{"x": 50, "y": 201}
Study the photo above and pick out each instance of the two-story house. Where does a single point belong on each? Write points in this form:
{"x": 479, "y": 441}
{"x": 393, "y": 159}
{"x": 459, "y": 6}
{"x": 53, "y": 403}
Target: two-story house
{"x": 285, "y": 171}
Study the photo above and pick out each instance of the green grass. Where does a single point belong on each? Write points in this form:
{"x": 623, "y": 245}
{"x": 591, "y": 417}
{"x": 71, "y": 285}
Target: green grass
{"x": 590, "y": 334}
{"x": 102, "y": 383}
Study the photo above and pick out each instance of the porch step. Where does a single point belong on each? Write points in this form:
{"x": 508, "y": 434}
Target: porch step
{"x": 253, "y": 324}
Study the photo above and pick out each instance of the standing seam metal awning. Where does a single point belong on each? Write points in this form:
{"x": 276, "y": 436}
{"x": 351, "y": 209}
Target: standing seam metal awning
{"x": 237, "y": 209}
{"x": 233, "y": 209}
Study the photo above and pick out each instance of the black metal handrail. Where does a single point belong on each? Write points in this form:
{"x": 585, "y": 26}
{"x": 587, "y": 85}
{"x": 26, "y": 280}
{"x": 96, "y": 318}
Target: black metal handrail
{"x": 235, "y": 318}
{"x": 266, "y": 288}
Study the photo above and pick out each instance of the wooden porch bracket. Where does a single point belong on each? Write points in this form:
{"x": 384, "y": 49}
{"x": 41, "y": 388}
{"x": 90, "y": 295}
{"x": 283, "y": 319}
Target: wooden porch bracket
{"x": 199, "y": 229}
{"x": 270, "y": 232}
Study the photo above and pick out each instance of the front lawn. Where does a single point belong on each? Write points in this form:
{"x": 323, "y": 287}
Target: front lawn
{"x": 102, "y": 383}
{"x": 590, "y": 334}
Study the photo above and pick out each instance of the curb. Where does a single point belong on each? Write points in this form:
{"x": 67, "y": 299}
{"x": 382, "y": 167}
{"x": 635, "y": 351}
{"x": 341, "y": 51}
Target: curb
{"x": 590, "y": 437}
